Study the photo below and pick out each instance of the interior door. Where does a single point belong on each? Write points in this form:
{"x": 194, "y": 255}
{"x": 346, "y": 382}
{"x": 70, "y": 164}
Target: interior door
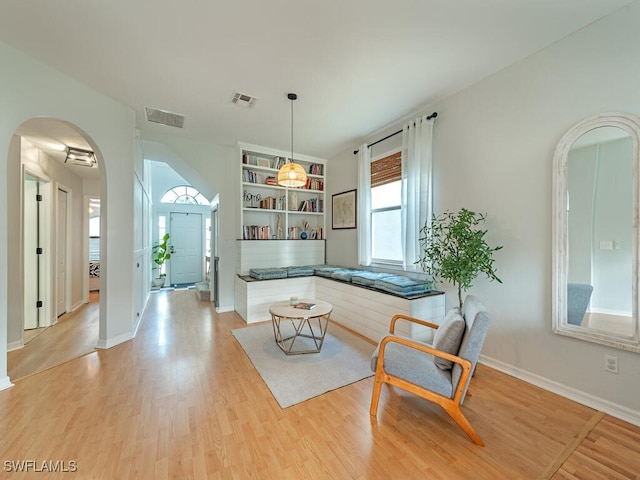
{"x": 33, "y": 265}
{"x": 186, "y": 242}
{"x": 61, "y": 254}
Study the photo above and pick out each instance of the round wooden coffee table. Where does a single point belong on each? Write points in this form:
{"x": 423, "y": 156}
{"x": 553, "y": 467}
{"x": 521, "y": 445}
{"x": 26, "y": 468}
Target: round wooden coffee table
{"x": 303, "y": 328}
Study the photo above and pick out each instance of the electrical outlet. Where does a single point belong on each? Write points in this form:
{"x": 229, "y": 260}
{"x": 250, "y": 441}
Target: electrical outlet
{"x": 610, "y": 364}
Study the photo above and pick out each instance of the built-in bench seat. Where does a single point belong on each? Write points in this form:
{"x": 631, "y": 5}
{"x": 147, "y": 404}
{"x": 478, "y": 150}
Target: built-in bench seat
{"x": 359, "y": 301}
{"x": 389, "y": 283}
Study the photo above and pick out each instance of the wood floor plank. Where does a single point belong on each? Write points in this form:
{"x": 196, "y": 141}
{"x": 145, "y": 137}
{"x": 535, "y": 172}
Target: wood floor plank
{"x": 182, "y": 400}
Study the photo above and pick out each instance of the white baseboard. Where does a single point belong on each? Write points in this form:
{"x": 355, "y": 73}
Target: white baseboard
{"x": 77, "y": 305}
{"x": 112, "y": 342}
{"x": 227, "y": 308}
{"x": 613, "y": 409}
{"x": 17, "y": 345}
{"x": 5, "y": 383}
{"x": 139, "y": 319}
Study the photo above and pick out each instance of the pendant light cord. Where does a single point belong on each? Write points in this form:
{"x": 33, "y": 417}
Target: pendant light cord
{"x": 292, "y": 97}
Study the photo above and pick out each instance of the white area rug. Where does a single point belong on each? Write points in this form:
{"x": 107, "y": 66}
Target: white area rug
{"x": 344, "y": 359}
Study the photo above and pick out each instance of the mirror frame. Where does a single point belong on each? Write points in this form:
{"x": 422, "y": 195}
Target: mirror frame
{"x": 630, "y": 124}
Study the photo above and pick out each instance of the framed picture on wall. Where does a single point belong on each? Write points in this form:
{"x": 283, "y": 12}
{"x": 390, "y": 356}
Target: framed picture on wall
{"x": 343, "y": 210}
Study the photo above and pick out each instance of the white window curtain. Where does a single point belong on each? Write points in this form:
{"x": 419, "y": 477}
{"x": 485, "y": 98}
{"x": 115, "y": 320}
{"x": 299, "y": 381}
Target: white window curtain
{"x": 364, "y": 205}
{"x": 417, "y": 203}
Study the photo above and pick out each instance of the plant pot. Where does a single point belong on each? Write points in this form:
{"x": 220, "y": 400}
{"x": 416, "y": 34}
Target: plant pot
{"x": 158, "y": 282}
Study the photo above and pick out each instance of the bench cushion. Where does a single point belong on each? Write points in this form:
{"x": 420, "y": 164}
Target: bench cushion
{"x": 267, "y": 273}
{"x": 404, "y": 286}
{"x": 344, "y": 274}
{"x": 325, "y": 270}
{"x": 367, "y": 278}
{"x": 300, "y": 271}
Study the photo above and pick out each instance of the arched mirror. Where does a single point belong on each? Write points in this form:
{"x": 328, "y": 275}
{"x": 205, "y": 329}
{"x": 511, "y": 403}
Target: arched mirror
{"x": 595, "y": 231}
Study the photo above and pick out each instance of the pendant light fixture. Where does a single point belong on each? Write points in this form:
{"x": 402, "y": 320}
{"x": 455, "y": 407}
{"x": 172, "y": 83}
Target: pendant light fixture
{"x": 292, "y": 174}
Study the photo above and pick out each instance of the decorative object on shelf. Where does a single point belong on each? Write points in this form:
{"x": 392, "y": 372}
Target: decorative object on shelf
{"x": 250, "y": 197}
{"x": 454, "y": 249}
{"x": 293, "y": 201}
{"x": 305, "y": 228}
{"x": 279, "y": 230}
{"x": 292, "y": 174}
{"x": 293, "y": 301}
{"x": 343, "y": 210}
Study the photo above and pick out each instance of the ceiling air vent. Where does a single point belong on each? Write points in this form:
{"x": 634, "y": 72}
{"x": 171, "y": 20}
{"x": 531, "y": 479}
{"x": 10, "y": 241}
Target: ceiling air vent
{"x": 165, "y": 118}
{"x": 243, "y": 99}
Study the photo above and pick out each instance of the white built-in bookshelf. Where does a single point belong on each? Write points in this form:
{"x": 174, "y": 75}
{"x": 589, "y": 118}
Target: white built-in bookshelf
{"x": 271, "y": 212}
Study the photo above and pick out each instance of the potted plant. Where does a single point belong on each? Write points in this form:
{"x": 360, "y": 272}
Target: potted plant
{"x": 161, "y": 253}
{"x": 454, "y": 249}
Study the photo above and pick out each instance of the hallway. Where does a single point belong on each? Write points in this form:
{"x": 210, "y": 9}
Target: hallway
{"x": 74, "y": 335}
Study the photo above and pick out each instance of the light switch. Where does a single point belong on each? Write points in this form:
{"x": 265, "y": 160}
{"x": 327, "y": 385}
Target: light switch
{"x": 606, "y": 245}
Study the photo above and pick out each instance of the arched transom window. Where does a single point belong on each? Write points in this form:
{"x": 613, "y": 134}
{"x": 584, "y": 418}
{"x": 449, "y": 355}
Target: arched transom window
{"x": 184, "y": 194}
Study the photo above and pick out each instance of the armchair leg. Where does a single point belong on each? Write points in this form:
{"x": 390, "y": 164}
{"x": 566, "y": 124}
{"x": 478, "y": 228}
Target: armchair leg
{"x": 456, "y": 414}
{"x": 375, "y": 395}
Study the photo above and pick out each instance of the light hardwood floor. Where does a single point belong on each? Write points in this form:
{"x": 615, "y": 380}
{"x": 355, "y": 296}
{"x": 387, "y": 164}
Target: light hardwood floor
{"x": 75, "y": 334}
{"x": 182, "y": 401}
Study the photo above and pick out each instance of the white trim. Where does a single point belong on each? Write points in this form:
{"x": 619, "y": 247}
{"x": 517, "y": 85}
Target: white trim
{"x": 77, "y": 305}
{"x": 68, "y": 249}
{"x": 17, "y": 345}
{"x": 226, "y": 308}
{"x": 112, "y": 342}
{"x": 613, "y": 409}
{"x": 5, "y": 383}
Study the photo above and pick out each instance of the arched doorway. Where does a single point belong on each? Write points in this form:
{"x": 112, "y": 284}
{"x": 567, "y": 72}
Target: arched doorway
{"x": 55, "y": 160}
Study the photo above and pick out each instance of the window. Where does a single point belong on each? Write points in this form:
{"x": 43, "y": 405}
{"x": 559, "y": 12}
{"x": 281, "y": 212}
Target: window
{"x": 184, "y": 194}
{"x": 394, "y": 197}
{"x": 386, "y": 212}
{"x": 94, "y": 239}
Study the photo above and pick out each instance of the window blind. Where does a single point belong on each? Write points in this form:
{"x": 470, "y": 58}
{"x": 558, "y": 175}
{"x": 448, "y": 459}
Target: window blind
{"x": 386, "y": 170}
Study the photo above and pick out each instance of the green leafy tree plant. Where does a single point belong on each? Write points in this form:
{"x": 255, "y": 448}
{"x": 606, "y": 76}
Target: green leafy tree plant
{"x": 454, "y": 250}
{"x": 161, "y": 253}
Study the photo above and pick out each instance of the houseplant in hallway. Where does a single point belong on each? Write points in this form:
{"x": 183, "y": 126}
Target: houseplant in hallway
{"x": 454, "y": 250}
{"x": 160, "y": 254}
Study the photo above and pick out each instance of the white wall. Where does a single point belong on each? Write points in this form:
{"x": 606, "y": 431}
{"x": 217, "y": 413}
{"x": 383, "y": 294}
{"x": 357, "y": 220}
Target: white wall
{"x": 29, "y": 89}
{"x": 494, "y": 144}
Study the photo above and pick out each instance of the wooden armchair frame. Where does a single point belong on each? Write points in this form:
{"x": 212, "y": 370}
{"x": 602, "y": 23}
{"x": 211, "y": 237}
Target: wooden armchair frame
{"x": 450, "y": 405}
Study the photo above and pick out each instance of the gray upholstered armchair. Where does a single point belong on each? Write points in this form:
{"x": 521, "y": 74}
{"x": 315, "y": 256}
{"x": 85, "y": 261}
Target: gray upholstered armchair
{"x": 440, "y": 372}
{"x": 578, "y": 298}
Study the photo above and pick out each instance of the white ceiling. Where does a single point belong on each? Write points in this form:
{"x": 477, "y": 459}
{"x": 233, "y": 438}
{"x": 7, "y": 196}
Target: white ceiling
{"x": 356, "y": 65}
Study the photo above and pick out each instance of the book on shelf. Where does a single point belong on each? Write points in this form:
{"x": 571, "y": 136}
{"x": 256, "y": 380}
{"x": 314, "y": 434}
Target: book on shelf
{"x": 311, "y": 205}
{"x": 305, "y": 306}
{"x": 278, "y": 162}
{"x": 256, "y": 232}
{"x": 315, "y": 169}
{"x": 249, "y": 176}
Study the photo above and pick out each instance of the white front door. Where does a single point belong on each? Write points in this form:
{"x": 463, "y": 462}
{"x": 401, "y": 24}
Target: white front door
{"x": 186, "y": 246}
{"x": 61, "y": 254}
